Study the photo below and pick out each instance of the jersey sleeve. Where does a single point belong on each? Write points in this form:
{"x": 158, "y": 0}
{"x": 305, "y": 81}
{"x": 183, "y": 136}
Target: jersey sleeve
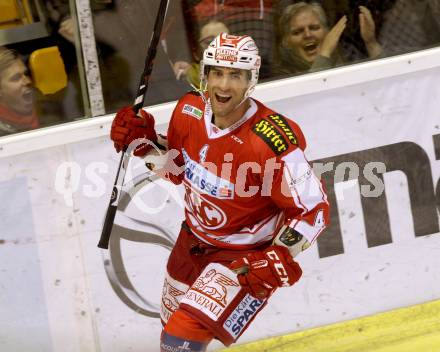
{"x": 301, "y": 195}
{"x": 178, "y": 130}
{"x": 293, "y": 185}
{"x": 188, "y": 110}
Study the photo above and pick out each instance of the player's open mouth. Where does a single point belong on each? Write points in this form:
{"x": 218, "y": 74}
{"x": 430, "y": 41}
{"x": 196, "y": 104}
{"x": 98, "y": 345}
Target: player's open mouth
{"x": 222, "y": 98}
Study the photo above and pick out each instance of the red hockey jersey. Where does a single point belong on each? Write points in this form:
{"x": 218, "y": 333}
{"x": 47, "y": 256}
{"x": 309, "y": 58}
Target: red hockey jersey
{"x": 242, "y": 183}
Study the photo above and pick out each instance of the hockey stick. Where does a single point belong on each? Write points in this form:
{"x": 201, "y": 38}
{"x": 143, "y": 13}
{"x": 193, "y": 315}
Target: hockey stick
{"x": 138, "y": 103}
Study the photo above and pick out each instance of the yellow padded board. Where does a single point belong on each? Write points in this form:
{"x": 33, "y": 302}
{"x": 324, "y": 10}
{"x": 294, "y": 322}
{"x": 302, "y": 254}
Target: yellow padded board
{"x": 47, "y": 69}
{"x": 410, "y": 329}
{"x": 8, "y": 11}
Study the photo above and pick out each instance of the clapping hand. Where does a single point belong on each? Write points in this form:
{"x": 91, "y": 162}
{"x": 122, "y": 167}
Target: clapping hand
{"x": 368, "y": 32}
{"x": 331, "y": 40}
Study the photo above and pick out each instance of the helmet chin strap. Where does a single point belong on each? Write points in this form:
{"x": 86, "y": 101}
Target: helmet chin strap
{"x": 201, "y": 90}
{"x": 245, "y": 97}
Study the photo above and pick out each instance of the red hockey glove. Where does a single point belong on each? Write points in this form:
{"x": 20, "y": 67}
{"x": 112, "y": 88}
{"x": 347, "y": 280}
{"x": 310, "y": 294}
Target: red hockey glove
{"x": 266, "y": 271}
{"x": 127, "y": 127}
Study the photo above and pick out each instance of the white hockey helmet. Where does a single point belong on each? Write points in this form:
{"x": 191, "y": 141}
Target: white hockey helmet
{"x": 237, "y": 51}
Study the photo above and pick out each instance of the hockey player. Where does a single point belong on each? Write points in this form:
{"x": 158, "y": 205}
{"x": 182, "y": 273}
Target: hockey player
{"x": 252, "y": 200}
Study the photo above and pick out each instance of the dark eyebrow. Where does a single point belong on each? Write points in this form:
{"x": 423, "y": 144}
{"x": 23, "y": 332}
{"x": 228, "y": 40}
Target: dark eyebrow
{"x": 230, "y": 71}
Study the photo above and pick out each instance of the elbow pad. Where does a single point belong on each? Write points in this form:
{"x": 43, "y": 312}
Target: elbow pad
{"x": 292, "y": 239}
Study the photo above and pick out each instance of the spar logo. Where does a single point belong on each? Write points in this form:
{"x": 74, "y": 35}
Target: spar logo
{"x": 226, "y": 54}
{"x": 213, "y": 291}
{"x": 242, "y": 315}
{"x": 208, "y": 215}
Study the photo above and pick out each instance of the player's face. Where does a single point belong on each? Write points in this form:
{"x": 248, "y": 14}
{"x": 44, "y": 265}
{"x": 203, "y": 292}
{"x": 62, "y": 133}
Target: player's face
{"x": 306, "y": 34}
{"x": 16, "y": 90}
{"x": 226, "y": 89}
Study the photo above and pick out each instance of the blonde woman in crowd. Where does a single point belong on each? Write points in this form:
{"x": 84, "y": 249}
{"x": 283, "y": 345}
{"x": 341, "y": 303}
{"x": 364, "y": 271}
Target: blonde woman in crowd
{"x": 308, "y": 44}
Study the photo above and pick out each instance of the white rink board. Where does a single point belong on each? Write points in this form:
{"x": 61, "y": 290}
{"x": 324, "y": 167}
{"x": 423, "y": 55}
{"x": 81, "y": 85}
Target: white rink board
{"x": 55, "y": 294}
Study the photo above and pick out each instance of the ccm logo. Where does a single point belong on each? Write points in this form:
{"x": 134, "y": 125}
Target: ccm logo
{"x": 279, "y": 267}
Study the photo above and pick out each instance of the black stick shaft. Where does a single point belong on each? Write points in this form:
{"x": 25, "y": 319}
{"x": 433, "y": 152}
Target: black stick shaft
{"x": 138, "y": 103}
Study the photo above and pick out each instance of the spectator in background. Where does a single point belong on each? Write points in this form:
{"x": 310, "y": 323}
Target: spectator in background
{"x": 242, "y": 17}
{"x": 410, "y": 25}
{"x": 17, "y": 111}
{"x": 307, "y": 43}
{"x": 191, "y": 71}
{"x": 114, "y": 69}
{"x": 350, "y": 46}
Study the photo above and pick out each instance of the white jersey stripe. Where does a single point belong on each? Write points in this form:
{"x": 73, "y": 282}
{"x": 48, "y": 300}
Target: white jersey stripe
{"x": 317, "y": 235}
{"x": 308, "y": 231}
{"x": 260, "y": 232}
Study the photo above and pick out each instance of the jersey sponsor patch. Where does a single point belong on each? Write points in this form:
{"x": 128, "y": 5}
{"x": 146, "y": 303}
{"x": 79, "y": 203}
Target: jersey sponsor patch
{"x": 213, "y": 291}
{"x": 284, "y": 127}
{"x": 240, "y": 317}
{"x": 192, "y": 111}
{"x": 205, "y": 181}
{"x": 271, "y": 136}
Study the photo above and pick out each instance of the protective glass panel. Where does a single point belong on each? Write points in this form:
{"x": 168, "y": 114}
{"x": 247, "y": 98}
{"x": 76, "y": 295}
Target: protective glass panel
{"x": 123, "y": 30}
{"x": 39, "y": 72}
{"x": 294, "y": 38}
{"x": 326, "y": 34}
